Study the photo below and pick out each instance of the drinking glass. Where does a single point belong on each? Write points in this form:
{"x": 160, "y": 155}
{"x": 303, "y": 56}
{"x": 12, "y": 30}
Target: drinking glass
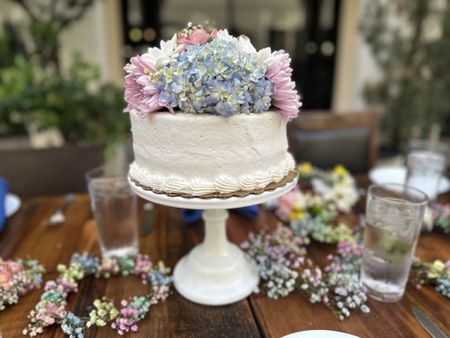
{"x": 394, "y": 214}
{"x": 426, "y": 161}
{"x": 115, "y": 210}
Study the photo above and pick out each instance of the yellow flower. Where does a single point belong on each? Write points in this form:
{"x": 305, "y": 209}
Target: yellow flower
{"x": 296, "y": 215}
{"x": 305, "y": 168}
{"x": 436, "y": 269}
{"x": 340, "y": 170}
{"x": 438, "y": 265}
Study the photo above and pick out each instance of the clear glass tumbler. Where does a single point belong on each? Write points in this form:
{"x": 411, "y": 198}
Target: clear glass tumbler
{"x": 426, "y": 162}
{"x": 115, "y": 210}
{"x": 394, "y": 215}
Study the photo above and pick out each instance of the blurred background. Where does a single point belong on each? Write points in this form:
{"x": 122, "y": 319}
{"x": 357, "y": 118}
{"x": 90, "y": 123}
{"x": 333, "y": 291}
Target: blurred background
{"x": 373, "y": 74}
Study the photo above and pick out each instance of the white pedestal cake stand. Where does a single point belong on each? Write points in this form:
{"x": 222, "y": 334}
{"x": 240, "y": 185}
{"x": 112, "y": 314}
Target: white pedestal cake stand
{"x": 215, "y": 272}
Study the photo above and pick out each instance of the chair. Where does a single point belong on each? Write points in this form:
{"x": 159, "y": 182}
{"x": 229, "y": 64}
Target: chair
{"x": 326, "y": 139}
{"x": 50, "y": 171}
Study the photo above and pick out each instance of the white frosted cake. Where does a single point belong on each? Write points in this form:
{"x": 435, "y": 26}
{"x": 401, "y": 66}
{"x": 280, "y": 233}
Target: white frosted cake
{"x": 208, "y": 114}
{"x": 210, "y": 155}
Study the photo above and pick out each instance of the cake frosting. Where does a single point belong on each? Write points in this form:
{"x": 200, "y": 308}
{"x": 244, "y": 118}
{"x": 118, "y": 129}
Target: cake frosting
{"x": 198, "y": 155}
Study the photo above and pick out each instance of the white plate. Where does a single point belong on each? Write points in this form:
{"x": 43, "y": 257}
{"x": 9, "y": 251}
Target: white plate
{"x": 382, "y": 175}
{"x": 12, "y": 204}
{"x": 320, "y": 334}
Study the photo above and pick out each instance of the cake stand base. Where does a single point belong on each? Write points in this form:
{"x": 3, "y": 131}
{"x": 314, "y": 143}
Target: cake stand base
{"x": 215, "y": 272}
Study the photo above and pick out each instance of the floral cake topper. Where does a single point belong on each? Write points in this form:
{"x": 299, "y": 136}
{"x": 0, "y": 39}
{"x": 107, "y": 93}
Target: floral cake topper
{"x": 209, "y": 71}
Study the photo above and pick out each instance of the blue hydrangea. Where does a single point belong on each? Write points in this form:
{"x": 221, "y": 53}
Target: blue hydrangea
{"x": 215, "y": 78}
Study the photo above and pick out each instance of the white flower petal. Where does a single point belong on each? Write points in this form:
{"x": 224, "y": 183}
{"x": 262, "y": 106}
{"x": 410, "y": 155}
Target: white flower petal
{"x": 224, "y": 35}
{"x": 245, "y": 45}
{"x": 264, "y": 54}
{"x": 159, "y": 56}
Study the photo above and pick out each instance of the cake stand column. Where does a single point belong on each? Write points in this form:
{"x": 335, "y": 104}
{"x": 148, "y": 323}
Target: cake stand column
{"x": 216, "y": 272}
{"x": 215, "y": 242}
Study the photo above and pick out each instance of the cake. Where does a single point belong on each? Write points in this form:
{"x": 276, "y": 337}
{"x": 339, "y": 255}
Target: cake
{"x": 208, "y": 116}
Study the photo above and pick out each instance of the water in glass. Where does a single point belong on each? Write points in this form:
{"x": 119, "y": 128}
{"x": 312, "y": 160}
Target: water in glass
{"x": 393, "y": 226}
{"x": 115, "y": 211}
{"x": 426, "y": 162}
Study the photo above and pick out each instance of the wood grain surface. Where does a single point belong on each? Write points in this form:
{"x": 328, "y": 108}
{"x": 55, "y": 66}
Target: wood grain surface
{"x": 257, "y": 316}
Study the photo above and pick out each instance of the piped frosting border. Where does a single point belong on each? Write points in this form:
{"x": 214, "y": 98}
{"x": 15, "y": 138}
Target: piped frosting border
{"x": 222, "y": 186}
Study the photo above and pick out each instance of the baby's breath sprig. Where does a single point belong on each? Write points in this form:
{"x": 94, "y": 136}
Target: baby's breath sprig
{"x": 337, "y": 285}
{"x": 52, "y": 308}
{"x": 436, "y": 274}
{"x": 441, "y": 216}
{"x": 284, "y": 269}
{"x": 103, "y": 312}
{"x": 17, "y": 278}
{"x": 277, "y": 256}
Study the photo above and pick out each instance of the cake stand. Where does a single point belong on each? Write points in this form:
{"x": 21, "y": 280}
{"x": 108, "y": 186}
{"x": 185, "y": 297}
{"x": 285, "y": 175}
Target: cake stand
{"x": 215, "y": 272}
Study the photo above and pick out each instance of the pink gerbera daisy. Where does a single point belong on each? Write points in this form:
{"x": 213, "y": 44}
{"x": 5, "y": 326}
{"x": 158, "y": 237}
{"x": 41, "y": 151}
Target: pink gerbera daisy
{"x": 141, "y": 94}
{"x": 285, "y": 97}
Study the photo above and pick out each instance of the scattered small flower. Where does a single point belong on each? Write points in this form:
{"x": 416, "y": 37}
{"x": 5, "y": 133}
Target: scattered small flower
{"x": 436, "y": 274}
{"x": 283, "y": 269}
{"x": 52, "y": 307}
{"x": 17, "y": 278}
{"x": 72, "y": 326}
{"x": 103, "y": 312}
{"x": 441, "y": 216}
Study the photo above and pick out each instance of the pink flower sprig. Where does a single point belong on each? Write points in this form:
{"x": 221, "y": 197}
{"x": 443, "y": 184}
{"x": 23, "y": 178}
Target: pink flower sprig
{"x": 109, "y": 266}
{"x": 160, "y": 294}
{"x": 17, "y": 278}
{"x": 131, "y": 313}
{"x": 50, "y": 313}
{"x": 144, "y": 266}
{"x": 125, "y": 323}
{"x": 350, "y": 249}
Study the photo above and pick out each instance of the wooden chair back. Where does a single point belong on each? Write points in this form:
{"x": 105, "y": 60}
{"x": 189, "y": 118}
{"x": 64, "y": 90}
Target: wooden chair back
{"x": 51, "y": 171}
{"x": 355, "y": 131}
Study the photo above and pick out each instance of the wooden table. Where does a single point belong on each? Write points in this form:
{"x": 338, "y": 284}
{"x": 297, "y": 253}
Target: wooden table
{"x": 170, "y": 239}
